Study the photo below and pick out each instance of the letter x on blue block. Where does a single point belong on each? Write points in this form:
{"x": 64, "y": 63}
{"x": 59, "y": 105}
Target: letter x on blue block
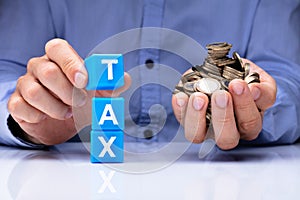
{"x": 107, "y": 114}
{"x": 105, "y": 71}
{"x": 107, "y": 146}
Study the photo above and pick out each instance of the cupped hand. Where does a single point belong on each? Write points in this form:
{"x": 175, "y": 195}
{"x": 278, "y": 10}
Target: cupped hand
{"x": 236, "y": 114}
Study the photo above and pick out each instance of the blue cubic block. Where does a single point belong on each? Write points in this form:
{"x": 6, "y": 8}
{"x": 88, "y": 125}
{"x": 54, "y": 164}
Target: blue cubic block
{"x": 108, "y": 114}
{"x": 107, "y": 146}
{"x": 105, "y": 71}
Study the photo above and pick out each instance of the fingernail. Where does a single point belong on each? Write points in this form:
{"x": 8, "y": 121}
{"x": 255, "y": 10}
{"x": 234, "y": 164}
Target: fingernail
{"x": 221, "y": 99}
{"x": 69, "y": 114}
{"x": 180, "y": 99}
{"x": 238, "y": 88}
{"x": 80, "y": 79}
{"x": 198, "y": 103}
{"x": 255, "y": 93}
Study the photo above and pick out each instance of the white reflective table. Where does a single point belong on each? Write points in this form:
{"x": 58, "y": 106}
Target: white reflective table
{"x": 65, "y": 172}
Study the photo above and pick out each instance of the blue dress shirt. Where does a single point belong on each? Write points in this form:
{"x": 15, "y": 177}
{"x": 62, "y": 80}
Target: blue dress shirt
{"x": 264, "y": 31}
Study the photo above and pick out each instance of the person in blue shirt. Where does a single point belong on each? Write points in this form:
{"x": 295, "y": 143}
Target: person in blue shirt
{"x": 43, "y": 44}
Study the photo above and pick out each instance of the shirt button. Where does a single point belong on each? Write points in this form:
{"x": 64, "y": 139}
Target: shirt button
{"x": 148, "y": 134}
{"x": 149, "y": 63}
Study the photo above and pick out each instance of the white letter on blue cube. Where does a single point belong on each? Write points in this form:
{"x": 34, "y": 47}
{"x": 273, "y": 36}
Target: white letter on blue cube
{"x": 108, "y": 114}
{"x": 105, "y": 71}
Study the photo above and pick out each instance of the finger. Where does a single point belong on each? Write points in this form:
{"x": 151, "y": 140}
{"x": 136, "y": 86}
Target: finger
{"x": 38, "y": 97}
{"x": 247, "y": 115}
{"x": 52, "y": 77}
{"x": 49, "y": 131}
{"x": 263, "y": 93}
{"x": 224, "y": 126}
{"x": 22, "y": 111}
{"x": 179, "y": 104}
{"x": 195, "y": 119}
{"x": 117, "y": 92}
{"x": 60, "y": 52}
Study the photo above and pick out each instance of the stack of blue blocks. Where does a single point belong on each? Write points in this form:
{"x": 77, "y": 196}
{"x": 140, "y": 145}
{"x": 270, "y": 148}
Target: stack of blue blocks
{"x": 106, "y": 72}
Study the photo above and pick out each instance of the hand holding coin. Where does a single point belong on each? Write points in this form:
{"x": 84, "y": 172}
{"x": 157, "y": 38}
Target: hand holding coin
{"x": 226, "y": 93}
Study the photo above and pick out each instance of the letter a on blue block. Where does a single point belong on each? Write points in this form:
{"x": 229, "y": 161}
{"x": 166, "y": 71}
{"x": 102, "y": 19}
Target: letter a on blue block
{"x": 107, "y": 146}
{"x": 105, "y": 71}
{"x": 108, "y": 114}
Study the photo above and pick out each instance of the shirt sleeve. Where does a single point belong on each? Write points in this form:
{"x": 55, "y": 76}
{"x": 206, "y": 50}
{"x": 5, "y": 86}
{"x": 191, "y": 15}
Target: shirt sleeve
{"x": 25, "y": 28}
{"x": 5, "y": 135}
{"x": 274, "y": 45}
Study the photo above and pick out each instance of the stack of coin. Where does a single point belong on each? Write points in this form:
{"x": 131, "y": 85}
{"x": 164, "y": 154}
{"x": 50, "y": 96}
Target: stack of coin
{"x": 231, "y": 73}
{"x": 217, "y": 54}
{"x": 215, "y": 73}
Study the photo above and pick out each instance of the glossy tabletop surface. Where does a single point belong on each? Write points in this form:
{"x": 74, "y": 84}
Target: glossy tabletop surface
{"x": 169, "y": 172}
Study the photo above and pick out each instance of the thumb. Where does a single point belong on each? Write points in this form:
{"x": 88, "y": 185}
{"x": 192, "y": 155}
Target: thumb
{"x": 117, "y": 92}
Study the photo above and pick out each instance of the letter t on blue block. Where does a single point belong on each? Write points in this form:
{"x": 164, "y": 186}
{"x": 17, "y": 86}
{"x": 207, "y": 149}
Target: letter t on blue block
{"x": 105, "y": 71}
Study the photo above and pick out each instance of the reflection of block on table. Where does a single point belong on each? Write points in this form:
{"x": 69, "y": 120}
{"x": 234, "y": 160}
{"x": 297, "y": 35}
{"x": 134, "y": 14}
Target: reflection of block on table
{"x": 107, "y": 114}
{"x": 107, "y": 146}
{"x": 105, "y": 71}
